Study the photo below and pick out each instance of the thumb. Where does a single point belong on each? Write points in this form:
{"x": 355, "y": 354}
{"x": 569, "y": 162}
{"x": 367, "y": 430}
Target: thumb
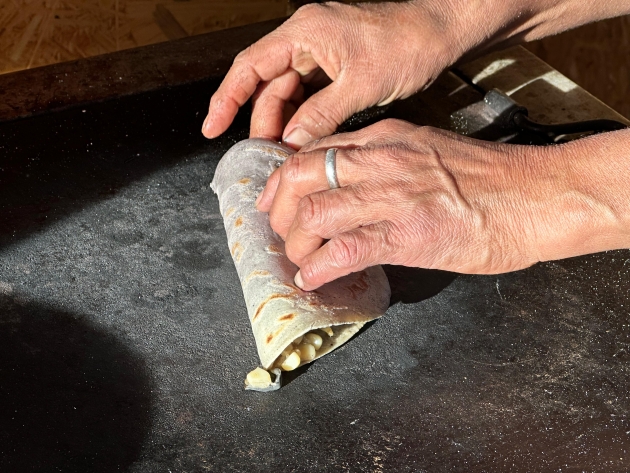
{"x": 322, "y": 114}
{"x": 344, "y": 254}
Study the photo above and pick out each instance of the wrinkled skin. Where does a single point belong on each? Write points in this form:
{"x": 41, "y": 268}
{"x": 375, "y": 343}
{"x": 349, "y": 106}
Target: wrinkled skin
{"x": 412, "y": 195}
{"x": 424, "y": 197}
{"x": 344, "y": 44}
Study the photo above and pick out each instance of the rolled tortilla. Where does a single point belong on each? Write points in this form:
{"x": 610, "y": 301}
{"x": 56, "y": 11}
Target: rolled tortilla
{"x": 278, "y": 310}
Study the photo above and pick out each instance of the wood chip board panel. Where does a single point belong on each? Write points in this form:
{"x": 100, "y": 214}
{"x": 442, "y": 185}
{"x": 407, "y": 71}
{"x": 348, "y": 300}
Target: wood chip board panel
{"x": 40, "y": 32}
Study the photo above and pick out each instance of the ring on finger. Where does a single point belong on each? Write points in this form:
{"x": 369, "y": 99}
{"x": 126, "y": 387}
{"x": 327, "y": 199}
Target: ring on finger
{"x": 331, "y": 168}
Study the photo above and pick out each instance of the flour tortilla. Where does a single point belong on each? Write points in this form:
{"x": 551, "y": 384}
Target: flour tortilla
{"x": 278, "y": 310}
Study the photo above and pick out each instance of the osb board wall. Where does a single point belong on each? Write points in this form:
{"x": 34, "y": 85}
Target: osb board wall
{"x": 596, "y": 56}
{"x": 39, "y": 32}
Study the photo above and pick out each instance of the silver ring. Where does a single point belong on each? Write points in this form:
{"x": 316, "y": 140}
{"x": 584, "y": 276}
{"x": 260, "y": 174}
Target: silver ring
{"x": 331, "y": 168}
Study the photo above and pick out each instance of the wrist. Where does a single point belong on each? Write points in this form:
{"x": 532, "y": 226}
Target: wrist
{"x": 587, "y": 206}
{"x": 464, "y": 28}
{"x": 470, "y": 28}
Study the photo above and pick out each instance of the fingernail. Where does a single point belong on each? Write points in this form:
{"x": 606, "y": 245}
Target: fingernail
{"x": 258, "y": 199}
{"x": 206, "y": 124}
{"x": 298, "y": 138}
{"x": 298, "y": 280}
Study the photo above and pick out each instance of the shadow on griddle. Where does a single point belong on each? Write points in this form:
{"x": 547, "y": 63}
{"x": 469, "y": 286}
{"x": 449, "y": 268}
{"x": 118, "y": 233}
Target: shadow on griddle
{"x": 411, "y": 285}
{"x": 408, "y": 285}
{"x": 289, "y": 376}
{"x": 73, "y": 397}
{"x": 58, "y": 163}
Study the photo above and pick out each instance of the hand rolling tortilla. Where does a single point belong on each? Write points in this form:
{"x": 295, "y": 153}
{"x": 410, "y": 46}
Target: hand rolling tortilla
{"x": 291, "y": 327}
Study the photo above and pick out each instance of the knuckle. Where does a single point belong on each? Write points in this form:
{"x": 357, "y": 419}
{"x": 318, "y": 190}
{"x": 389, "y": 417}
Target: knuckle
{"x": 310, "y": 10}
{"x": 243, "y": 56}
{"x": 393, "y": 122}
{"x": 213, "y": 100}
{"x": 387, "y": 124}
{"x": 346, "y": 250}
{"x": 310, "y": 212}
{"x": 425, "y": 132}
{"x": 291, "y": 169}
{"x": 310, "y": 272}
{"x": 396, "y": 241}
{"x": 404, "y": 127}
{"x": 388, "y": 130}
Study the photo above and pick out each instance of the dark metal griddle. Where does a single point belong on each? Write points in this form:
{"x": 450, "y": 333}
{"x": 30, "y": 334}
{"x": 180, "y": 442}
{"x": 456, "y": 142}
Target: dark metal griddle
{"x": 124, "y": 339}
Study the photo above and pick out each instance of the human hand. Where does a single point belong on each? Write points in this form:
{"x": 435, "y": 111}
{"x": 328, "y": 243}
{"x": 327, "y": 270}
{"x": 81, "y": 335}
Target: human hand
{"x": 372, "y": 53}
{"x": 418, "y": 196}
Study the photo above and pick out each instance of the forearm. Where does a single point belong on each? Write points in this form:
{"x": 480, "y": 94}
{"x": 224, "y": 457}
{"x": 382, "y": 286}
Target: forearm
{"x": 587, "y": 209}
{"x": 471, "y": 27}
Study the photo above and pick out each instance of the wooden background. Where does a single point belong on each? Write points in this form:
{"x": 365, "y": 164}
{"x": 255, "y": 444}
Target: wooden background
{"x": 39, "y": 32}
{"x": 596, "y": 56}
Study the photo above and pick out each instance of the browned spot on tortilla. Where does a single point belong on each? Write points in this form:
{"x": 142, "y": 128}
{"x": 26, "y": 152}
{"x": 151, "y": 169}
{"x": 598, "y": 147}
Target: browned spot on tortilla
{"x": 287, "y": 317}
{"x": 269, "y": 338}
{"x": 229, "y": 211}
{"x": 258, "y": 272}
{"x": 359, "y": 286}
{"x": 274, "y": 249}
{"x": 278, "y": 153}
{"x": 266, "y": 301}
{"x": 239, "y": 222}
{"x": 245, "y": 180}
{"x": 236, "y": 247}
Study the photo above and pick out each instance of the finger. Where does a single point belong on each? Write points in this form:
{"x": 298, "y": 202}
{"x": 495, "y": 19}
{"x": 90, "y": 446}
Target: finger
{"x": 265, "y": 199}
{"x": 322, "y": 215}
{"x": 304, "y": 174}
{"x": 322, "y": 114}
{"x": 355, "y": 139}
{"x": 344, "y": 254}
{"x": 269, "y": 103}
{"x": 381, "y": 134}
{"x": 300, "y": 175}
{"x": 253, "y": 65}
